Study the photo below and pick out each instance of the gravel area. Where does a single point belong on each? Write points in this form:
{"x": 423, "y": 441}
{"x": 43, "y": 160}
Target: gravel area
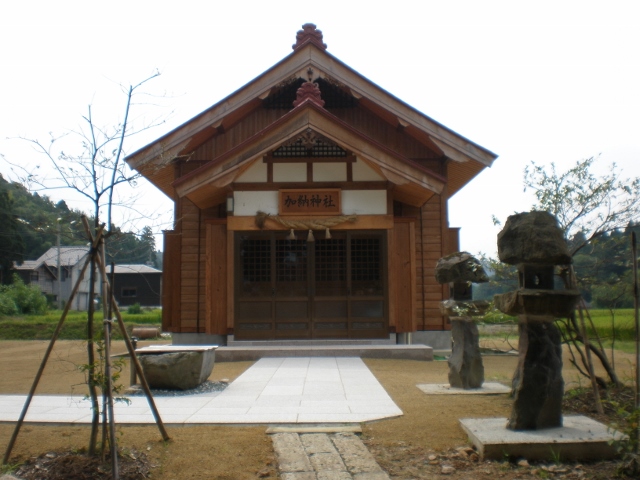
{"x": 206, "y": 387}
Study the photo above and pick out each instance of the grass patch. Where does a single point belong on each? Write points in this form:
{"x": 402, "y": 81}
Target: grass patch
{"x": 602, "y": 320}
{"x": 42, "y": 327}
{"x": 496, "y": 317}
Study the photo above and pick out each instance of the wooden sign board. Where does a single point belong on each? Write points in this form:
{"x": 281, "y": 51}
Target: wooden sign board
{"x": 325, "y": 201}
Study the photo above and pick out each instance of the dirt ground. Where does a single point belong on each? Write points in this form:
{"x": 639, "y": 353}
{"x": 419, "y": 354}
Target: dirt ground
{"x": 416, "y": 445}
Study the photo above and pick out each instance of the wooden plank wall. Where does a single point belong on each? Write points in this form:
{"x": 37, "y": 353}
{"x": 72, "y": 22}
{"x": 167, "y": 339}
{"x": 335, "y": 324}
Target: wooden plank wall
{"x": 402, "y": 276}
{"x": 171, "y": 282}
{"x": 431, "y": 243}
{"x": 216, "y": 277}
{"x": 193, "y": 271}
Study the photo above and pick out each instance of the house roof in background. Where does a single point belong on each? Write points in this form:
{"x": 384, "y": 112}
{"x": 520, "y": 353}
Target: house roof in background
{"x": 134, "y": 269}
{"x": 26, "y": 265}
{"x": 69, "y": 256}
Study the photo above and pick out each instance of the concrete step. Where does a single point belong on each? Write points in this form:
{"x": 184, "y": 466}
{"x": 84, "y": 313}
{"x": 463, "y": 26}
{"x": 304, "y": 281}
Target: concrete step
{"x": 251, "y": 353}
{"x": 231, "y": 342}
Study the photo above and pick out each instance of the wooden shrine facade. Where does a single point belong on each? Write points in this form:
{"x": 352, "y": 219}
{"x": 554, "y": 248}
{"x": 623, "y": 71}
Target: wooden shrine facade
{"x": 308, "y": 204}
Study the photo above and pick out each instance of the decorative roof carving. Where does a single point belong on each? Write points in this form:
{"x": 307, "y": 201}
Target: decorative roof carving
{"x": 309, "y": 34}
{"x": 308, "y": 91}
{"x": 333, "y": 82}
{"x": 309, "y": 144}
{"x": 308, "y": 139}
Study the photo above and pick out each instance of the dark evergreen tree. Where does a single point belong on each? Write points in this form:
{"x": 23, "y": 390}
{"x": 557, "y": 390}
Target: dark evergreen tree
{"x": 11, "y": 244}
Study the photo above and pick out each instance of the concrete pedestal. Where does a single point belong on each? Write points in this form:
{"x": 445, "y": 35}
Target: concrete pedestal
{"x": 580, "y": 439}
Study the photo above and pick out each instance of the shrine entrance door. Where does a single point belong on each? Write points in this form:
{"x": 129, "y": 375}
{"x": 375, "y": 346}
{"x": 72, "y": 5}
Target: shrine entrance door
{"x": 323, "y": 289}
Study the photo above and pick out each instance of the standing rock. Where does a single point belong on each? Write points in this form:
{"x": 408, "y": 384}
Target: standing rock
{"x": 465, "y": 363}
{"x": 460, "y": 267}
{"x": 460, "y": 270}
{"x": 538, "y": 386}
{"x": 532, "y": 237}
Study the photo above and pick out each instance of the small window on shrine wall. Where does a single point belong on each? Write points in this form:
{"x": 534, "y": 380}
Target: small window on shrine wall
{"x": 129, "y": 292}
{"x": 34, "y": 277}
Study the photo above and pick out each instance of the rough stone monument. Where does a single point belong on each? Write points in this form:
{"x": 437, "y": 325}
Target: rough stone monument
{"x": 460, "y": 270}
{"x": 534, "y": 242}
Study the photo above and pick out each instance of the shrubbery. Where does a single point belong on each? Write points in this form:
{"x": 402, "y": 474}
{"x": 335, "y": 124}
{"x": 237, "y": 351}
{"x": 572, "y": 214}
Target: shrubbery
{"x": 19, "y": 298}
{"x": 134, "y": 309}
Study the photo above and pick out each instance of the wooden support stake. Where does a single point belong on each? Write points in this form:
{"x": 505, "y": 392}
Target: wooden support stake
{"x": 634, "y": 252}
{"x": 43, "y": 364}
{"x": 134, "y": 358}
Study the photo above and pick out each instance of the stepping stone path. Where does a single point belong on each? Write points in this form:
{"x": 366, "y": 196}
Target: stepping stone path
{"x": 325, "y": 456}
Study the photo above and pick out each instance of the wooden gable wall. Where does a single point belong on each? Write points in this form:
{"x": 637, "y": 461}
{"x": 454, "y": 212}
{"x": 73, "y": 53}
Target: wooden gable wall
{"x": 359, "y": 118}
{"x": 385, "y": 133}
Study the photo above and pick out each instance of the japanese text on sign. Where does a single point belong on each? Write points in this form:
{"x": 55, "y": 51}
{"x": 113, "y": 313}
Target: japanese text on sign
{"x": 310, "y": 202}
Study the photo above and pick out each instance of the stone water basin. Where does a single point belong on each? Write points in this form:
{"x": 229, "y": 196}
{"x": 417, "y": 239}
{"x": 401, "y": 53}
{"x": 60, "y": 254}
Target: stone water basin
{"x": 180, "y": 367}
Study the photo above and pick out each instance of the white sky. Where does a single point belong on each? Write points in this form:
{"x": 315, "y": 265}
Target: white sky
{"x": 545, "y": 81}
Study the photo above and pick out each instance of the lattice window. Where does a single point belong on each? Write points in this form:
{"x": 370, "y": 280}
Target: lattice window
{"x": 331, "y": 260}
{"x": 366, "y": 266}
{"x": 256, "y": 260}
{"x": 365, "y": 259}
{"x": 291, "y": 260}
{"x": 300, "y": 149}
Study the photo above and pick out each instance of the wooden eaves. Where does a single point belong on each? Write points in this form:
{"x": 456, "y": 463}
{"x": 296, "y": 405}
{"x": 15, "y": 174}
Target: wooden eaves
{"x": 153, "y": 159}
{"x": 415, "y": 184}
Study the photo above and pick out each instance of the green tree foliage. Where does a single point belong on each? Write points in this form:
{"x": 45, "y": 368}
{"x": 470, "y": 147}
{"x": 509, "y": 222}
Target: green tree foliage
{"x": 586, "y": 204}
{"x": 26, "y": 299}
{"x": 127, "y": 248}
{"x": 38, "y": 220}
{"x": 11, "y": 242}
{"x": 604, "y": 269}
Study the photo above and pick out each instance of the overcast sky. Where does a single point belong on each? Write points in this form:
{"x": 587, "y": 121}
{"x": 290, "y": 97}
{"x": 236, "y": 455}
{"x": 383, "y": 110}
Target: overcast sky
{"x": 545, "y": 81}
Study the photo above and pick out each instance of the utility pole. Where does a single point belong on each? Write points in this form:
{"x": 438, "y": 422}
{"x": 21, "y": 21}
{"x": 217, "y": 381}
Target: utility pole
{"x": 59, "y": 269}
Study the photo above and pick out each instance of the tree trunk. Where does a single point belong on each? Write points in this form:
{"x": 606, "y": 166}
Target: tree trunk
{"x": 93, "y": 394}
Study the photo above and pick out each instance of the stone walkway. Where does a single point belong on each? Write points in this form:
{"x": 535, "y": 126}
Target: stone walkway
{"x": 324, "y": 456}
{"x": 298, "y": 390}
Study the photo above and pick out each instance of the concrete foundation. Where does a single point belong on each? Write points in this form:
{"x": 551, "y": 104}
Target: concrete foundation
{"x": 403, "y": 346}
{"x": 579, "y": 439}
{"x": 438, "y": 340}
{"x": 198, "y": 339}
{"x": 251, "y": 353}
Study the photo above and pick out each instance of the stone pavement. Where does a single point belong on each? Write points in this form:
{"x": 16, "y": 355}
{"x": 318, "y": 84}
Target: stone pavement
{"x": 272, "y": 391}
{"x": 324, "y": 456}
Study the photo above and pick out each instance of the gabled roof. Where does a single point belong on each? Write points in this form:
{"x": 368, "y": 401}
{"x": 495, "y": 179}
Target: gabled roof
{"x": 26, "y": 265}
{"x": 69, "y": 256}
{"x": 135, "y": 268}
{"x": 309, "y": 116}
{"x": 310, "y": 60}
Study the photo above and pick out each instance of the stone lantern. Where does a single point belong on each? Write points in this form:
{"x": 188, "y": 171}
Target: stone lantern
{"x": 460, "y": 270}
{"x": 535, "y": 244}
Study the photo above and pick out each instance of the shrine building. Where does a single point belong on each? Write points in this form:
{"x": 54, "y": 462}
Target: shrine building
{"x": 309, "y": 204}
